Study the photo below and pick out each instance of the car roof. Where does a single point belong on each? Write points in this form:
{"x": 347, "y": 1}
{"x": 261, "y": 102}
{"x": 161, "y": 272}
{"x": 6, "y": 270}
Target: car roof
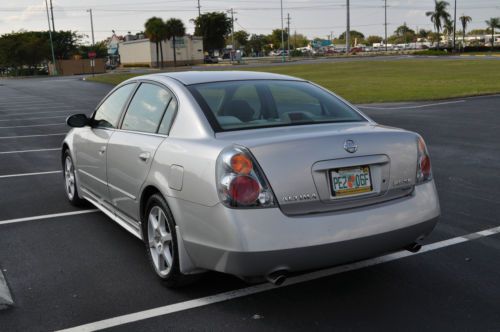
{"x": 197, "y": 77}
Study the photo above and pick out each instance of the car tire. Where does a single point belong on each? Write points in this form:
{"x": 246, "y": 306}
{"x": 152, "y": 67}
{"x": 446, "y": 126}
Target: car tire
{"x": 160, "y": 239}
{"x": 70, "y": 185}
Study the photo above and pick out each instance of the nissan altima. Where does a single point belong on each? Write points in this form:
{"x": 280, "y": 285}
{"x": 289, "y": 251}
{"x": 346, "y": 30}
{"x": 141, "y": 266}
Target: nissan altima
{"x": 252, "y": 174}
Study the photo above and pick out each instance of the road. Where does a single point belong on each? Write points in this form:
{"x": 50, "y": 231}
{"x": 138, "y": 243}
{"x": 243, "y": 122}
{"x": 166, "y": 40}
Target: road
{"x": 73, "y": 269}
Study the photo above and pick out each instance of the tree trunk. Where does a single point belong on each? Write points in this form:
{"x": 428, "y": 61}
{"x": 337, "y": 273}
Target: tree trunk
{"x": 161, "y": 54}
{"x": 175, "y": 55}
{"x": 492, "y": 38}
{"x": 438, "y": 38}
{"x": 157, "y": 55}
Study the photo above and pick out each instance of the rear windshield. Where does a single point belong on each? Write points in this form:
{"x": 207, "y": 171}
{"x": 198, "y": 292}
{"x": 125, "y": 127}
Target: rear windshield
{"x": 239, "y": 105}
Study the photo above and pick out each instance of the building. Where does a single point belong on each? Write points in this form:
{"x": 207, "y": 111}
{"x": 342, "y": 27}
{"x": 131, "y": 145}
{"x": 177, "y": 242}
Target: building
{"x": 142, "y": 52}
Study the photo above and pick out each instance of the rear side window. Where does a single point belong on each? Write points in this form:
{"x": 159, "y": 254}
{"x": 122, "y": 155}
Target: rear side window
{"x": 146, "y": 109}
{"x": 250, "y": 104}
{"x": 108, "y": 113}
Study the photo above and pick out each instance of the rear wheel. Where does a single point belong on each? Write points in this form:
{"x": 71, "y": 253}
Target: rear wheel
{"x": 161, "y": 243}
{"x": 70, "y": 180}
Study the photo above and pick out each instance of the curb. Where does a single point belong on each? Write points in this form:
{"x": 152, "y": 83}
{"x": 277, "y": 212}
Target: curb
{"x": 5, "y": 296}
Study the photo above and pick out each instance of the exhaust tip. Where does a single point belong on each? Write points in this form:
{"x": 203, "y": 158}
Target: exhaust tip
{"x": 278, "y": 277}
{"x": 414, "y": 247}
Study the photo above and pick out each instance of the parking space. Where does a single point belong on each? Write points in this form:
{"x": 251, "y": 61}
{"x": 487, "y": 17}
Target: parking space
{"x": 81, "y": 268}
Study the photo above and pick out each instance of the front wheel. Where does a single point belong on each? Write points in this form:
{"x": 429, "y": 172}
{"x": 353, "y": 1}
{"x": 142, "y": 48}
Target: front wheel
{"x": 70, "y": 180}
{"x": 161, "y": 243}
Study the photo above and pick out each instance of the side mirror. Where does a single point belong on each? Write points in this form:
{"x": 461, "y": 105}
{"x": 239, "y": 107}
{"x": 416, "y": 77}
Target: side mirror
{"x": 78, "y": 120}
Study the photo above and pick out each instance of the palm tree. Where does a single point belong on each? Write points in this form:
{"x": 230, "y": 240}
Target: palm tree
{"x": 493, "y": 23}
{"x": 439, "y": 15}
{"x": 448, "y": 28}
{"x": 174, "y": 28}
{"x": 153, "y": 30}
{"x": 464, "y": 20}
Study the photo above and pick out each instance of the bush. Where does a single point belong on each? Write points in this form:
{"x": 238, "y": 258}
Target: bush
{"x": 432, "y": 52}
{"x": 481, "y": 49}
{"x": 143, "y": 65}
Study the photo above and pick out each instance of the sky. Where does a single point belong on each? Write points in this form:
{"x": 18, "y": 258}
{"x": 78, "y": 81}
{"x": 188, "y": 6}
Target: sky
{"x": 313, "y": 18}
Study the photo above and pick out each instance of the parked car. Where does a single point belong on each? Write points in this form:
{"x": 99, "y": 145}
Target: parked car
{"x": 253, "y": 174}
{"x": 210, "y": 59}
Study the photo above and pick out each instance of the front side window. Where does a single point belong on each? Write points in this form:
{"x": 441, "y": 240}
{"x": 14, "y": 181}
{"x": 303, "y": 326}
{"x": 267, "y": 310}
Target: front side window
{"x": 108, "y": 113}
{"x": 146, "y": 109}
{"x": 249, "y": 104}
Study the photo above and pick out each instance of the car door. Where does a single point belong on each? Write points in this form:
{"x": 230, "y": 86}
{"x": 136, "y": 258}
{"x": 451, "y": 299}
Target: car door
{"x": 90, "y": 144}
{"x": 131, "y": 149}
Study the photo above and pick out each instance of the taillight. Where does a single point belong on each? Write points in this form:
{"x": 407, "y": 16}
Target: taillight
{"x": 424, "y": 171}
{"x": 240, "y": 181}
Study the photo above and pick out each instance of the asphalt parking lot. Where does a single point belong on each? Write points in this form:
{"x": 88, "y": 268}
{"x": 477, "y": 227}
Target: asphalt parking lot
{"x": 73, "y": 268}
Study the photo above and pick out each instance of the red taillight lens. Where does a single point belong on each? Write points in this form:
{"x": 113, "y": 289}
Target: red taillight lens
{"x": 240, "y": 181}
{"x": 244, "y": 190}
{"x": 424, "y": 170}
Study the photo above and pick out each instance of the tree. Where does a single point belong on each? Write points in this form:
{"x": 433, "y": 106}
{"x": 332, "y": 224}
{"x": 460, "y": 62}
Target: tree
{"x": 241, "y": 38}
{"x": 448, "y": 28}
{"x": 213, "y": 27}
{"x": 175, "y": 28}
{"x": 493, "y": 23}
{"x": 374, "y": 40}
{"x": 439, "y": 15}
{"x": 464, "y": 20}
{"x": 424, "y": 33}
{"x": 154, "y": 30}
{"x": 402, "y": 34}
{"x": 299, "y": 40}
{"x": 354, "y": 34}
{"x": 275, "y": 38}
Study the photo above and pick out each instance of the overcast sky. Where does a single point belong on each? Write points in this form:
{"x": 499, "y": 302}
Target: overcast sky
{"x": 314, "y": 18}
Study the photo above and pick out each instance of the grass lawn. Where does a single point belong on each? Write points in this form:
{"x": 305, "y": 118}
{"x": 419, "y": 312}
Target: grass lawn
{"x": 389, "y": 81}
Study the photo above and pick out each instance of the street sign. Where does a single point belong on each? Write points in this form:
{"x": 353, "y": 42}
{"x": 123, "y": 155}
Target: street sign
{"x": 92, "y": 55}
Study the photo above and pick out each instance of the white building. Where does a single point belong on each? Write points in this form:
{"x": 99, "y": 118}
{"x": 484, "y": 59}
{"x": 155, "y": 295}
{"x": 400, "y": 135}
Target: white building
{"x": 142, "y": 52}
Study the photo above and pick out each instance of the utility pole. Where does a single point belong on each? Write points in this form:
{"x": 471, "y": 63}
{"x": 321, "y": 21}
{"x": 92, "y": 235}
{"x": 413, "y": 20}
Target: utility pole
{"x": 288, "y": 33}
{"x": 282, "y": 35}
{"x": 91, "y": 25}
{"x": 385, "y": 24}
{"x": 347, "y": 31}
{"x": 52, "y": 15}
{"x": 92, "y": 61}
{"x": 232, "y": 32}
{"x": 199, "y": 9}
{"x": 51, "y": 42}
{"x": 454, "y": 26}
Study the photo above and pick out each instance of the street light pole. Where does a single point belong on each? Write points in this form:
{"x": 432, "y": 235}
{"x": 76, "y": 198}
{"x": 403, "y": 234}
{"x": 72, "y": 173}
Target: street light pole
{"x": 282, "y": 35}
{"x": 455, "y": 26}
{"x": 288, "y": 33}
{"x": 51, "y": 42}
{"x": 347, "y": 31}
{"x": 385, "y": 23}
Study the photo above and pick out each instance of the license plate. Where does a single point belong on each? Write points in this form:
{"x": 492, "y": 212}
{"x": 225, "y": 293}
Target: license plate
{"x": 351, "y": 181}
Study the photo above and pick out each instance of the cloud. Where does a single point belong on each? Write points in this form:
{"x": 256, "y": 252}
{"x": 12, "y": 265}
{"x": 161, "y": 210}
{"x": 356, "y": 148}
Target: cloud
{"x": 27, "y": 13}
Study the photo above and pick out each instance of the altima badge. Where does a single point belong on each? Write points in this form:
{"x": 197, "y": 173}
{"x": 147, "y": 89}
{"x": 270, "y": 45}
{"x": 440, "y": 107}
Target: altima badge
{"x": 350, "y": 146}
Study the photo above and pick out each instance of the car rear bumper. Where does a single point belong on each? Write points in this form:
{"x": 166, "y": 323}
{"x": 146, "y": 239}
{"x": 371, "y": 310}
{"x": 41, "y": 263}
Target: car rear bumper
{"x": 258, "y": 242}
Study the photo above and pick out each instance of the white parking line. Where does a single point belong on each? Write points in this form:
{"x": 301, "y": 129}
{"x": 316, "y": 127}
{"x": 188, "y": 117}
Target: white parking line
{"x": 27, "y": 136}
{"x": 411, "y": 107}
{"x": 38, "y": 125}
{"x": 46, "y": 216}
{"x": 204, "y": 301}
{"x": 44, "y": 117}
{"x": 28, "y": 174}
{"x": 27, "y": 151}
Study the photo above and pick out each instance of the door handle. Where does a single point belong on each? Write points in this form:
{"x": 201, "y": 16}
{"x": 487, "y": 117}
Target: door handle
{"x": 102, "y": 150}
{"x": 144, "y": 156}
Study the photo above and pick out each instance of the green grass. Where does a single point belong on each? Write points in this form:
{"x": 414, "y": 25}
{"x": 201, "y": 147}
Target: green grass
{"x": 389, "y": 81}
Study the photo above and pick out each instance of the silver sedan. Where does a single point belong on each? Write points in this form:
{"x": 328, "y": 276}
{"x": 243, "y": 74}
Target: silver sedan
{"x": 253, "y": 174}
